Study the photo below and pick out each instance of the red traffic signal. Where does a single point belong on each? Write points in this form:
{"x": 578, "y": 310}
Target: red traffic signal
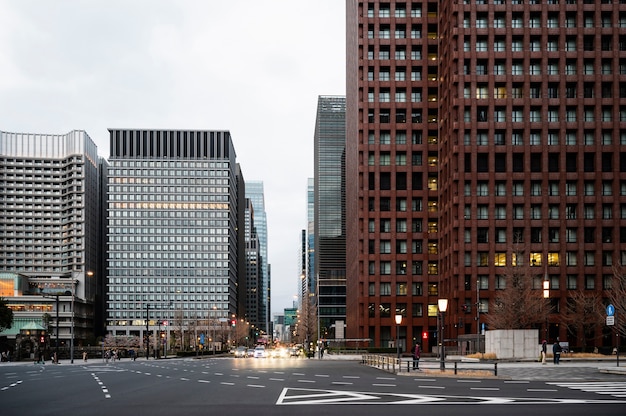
{"x": 233, "y": 322}
{"x": 424, "y": 335}
{"x": 42, "y": 339}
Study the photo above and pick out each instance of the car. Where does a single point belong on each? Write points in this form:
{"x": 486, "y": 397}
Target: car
{"x": 241, "y": 352}
{"x": 250, "y": 352}
{"x": 259, "y": 352}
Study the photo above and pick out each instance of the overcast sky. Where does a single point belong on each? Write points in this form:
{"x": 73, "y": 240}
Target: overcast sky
{"x": 253, "y": 67}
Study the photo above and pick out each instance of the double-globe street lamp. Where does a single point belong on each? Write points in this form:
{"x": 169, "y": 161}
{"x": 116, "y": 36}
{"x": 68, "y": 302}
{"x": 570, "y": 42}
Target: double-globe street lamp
{"x": 443, "y": 306}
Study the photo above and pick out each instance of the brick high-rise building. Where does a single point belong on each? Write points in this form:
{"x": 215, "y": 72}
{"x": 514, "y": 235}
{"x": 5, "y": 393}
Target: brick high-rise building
{"x": 481, "y": 135}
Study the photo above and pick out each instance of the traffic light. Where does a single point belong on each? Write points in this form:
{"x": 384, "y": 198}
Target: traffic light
{"x": 233, "y": 322}
{"x": 466, "y": 308}
{"x": 424, "y": 335}
{"x": 42, "y": 339}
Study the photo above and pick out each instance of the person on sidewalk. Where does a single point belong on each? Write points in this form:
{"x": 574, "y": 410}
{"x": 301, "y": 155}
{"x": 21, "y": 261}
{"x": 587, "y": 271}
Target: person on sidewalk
{"x": 556, "y": 351}
{"x": 544, "y": 351}
{"x": 417, "y": 353}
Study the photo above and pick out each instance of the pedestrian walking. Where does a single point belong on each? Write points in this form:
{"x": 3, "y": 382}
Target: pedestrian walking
{"x": 556, "y": 351}
{"x": 417, "y": 353}
{"x": 544, "y": 351}
{"x": 85, "y": 356}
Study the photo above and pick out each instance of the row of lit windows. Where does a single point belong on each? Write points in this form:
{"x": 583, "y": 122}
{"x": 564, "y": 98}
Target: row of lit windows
{"x": 152, "y": 238}
{"x": 519, "y": 90}
{"x": 176, "y": 189}
{"x": 167, "y": 214}
{"x": 132, "y": 284}
{"x": 589, "y": 235}
{"x": 115, "y": 307}
{"x": 168, "y": 205}
{"x": 169, "y": 256}
{"x": 166, "y": 264}
{"x": 151, "y": 222}
{"x": 170, "y": 197}
{"x": 184, "y": 298}
{"x": 402, "y": 289}
{"x": 186, "y": 248}
{"x": 570, "y": 258}
{"x": 166, "y": 271}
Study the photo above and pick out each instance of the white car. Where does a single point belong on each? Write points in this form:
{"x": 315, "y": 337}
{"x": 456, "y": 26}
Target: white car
{"x": 259, "y": 352}
{"x": 241, "y": 352}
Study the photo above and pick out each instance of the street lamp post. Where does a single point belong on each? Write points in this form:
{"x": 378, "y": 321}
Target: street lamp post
{"x": 398, "y": 322}
{"x": 443, "y": 306}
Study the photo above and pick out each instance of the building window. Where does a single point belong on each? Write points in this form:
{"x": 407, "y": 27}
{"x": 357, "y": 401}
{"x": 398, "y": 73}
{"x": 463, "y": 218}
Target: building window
{"x": 417, "y": 289}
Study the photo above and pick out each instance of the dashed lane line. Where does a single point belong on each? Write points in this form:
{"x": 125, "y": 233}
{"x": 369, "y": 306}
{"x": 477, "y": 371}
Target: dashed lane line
{"x": 17, "y": 383}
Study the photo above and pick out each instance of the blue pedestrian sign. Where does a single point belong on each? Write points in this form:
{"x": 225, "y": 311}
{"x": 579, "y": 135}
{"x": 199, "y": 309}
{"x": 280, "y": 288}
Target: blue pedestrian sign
{"x": 610, "y": 310}
{"x": 201, "y": 339}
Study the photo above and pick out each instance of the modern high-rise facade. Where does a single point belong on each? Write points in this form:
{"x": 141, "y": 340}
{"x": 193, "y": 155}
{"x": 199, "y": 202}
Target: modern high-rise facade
{"x": 253, "y": 287}
{"x": 330, "y": 215}
{"x": 255, "y": 192}
{"x": 481, "y": 135}
{"x": 50, "y": 235}
{"x": 174, "y": 246}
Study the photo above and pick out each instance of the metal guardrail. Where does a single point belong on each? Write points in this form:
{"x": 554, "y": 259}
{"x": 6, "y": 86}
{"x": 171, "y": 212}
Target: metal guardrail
{"x": 395, "y": 365}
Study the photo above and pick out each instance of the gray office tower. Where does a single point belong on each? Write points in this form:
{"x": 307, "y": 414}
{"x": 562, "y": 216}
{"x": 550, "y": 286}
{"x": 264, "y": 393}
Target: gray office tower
{"x": 175, "y": 213}
{"x": 49, "y": 239}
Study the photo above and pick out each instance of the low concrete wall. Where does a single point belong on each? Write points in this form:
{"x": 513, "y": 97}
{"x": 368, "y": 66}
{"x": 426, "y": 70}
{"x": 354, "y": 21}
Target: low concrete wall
{"x": 513, "y": 343}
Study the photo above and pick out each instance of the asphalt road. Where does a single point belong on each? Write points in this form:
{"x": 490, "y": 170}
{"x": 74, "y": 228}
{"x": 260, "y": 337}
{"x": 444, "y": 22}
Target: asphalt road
{"x": 228, "y": 386}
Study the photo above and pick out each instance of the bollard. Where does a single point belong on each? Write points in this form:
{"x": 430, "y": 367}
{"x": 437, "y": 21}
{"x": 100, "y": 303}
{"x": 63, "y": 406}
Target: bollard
{"x": 495, "y": 369}
{"x": 455, "y": 363}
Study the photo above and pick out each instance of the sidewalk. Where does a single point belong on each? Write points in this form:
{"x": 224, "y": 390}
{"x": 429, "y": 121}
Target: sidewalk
{"x": 584, "y": 369}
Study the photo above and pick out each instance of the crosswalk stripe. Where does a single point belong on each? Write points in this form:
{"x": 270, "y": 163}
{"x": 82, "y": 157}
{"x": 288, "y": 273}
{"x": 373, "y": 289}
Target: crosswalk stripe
{"x": 611, "y": 388}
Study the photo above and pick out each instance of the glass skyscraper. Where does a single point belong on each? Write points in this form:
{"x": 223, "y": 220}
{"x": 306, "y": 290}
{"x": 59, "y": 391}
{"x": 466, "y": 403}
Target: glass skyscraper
{"x": 330, "y": 214}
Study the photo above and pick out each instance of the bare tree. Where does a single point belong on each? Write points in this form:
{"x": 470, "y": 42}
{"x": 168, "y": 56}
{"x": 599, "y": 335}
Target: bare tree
{"x": 583, "y": 314}
{"x": 617, "y": 297}
{"x": 518, "y": 305}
